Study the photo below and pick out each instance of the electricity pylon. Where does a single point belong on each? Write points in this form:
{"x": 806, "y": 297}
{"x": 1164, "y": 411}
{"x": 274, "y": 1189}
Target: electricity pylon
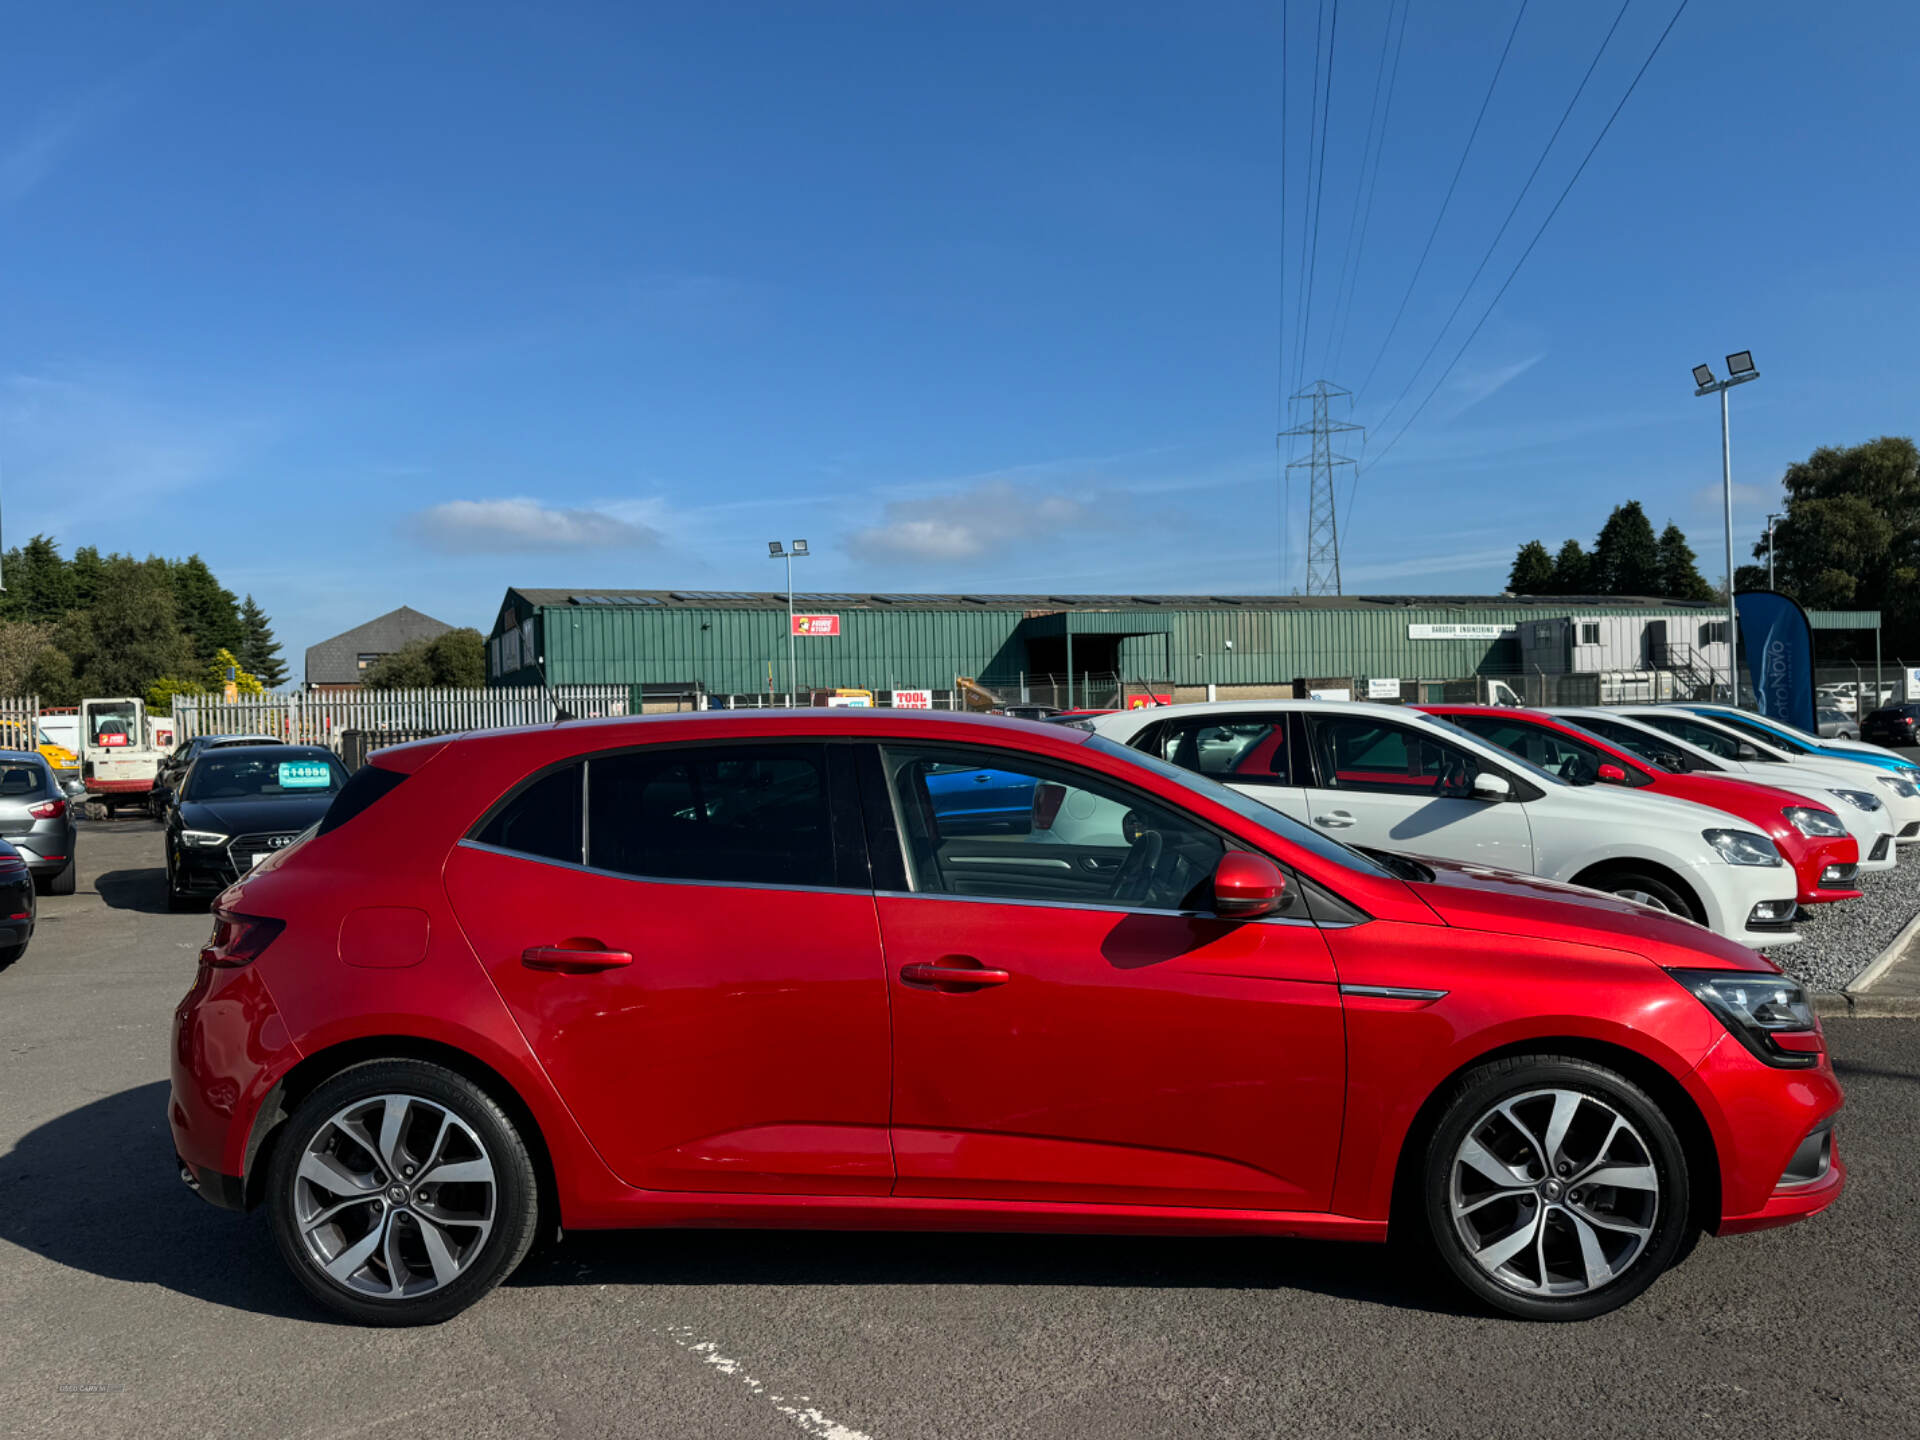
{"x": 1323, "y": 519}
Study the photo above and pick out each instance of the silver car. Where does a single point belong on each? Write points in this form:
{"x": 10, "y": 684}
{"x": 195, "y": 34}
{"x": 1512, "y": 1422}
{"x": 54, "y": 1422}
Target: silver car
{"x": 37, "y": 820}
{"x": 1836, "y": 724}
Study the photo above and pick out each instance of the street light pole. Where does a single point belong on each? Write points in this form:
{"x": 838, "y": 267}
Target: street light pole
{"x": 1740, "y": 369}
{"x": 1770, "y": 524}
{"x": 777, "y": 551}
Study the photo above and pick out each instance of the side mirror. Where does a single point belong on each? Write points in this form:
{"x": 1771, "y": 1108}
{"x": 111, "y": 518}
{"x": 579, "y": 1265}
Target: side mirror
{"x": 75, "y": 789}
{"x": 1247, "y": 886}
{"x": 1488, "y": 786}
{"x": 1612, "y": 775}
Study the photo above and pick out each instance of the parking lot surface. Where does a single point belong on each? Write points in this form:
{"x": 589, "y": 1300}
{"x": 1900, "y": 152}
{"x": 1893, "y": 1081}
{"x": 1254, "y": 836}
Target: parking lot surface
{"x": 134, "y": 1309}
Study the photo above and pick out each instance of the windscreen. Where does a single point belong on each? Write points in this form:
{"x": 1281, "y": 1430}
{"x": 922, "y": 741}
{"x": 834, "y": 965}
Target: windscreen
{"x": 226, "y": 776}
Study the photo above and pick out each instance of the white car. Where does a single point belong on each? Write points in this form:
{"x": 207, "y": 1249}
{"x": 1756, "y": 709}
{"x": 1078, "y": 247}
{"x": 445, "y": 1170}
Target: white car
{"x": 1900, "y": 796}
{"x": 1398, "y": 779}
{"x": 1860, "y": 809}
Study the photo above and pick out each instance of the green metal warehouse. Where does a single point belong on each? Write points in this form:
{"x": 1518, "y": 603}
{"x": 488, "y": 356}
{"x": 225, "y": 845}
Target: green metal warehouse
{"x": 735, "y": 643}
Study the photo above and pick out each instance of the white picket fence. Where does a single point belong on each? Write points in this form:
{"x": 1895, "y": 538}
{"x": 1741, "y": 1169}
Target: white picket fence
{"x": 322, "y": 718}
{"x": 19, "y": 722}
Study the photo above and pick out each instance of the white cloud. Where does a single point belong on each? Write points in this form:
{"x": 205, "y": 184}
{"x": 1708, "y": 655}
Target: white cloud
{"x": 473, "y": 527}
{"x": 970, "y": 523}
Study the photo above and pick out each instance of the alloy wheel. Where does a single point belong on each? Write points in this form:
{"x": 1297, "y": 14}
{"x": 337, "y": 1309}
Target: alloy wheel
{"x": 394, "y": 1197}
{"x": 1554, "y": 1192}
{"x": 1642, "y": 897}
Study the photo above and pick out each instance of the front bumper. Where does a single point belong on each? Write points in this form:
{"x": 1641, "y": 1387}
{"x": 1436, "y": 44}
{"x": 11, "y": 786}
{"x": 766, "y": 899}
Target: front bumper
{"x": 1760, "y": 1116}
{"x": 1731, "y": 893}
{"x": 1826, "y": 868}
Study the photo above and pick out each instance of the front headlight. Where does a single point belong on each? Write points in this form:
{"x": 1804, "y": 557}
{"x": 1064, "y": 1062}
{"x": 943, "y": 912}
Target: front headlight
{"x": 1769, "y": 1014}
{"x": 1860, "y": 799}
{"x": 1813, "y": 823}
{"x": 202, "y": 837}
{"x": 1904, "y": 788}
{"x": 1742, "y": 847}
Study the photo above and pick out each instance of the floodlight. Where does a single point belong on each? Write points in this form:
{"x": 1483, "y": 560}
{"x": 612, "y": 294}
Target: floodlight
{"x": 1740, "y": 363}
{"x": 1703, "y": 374}
{"x": 774, "y": 549}
{"x": 799, "y": 547}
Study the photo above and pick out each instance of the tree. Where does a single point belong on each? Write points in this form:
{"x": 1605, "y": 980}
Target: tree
{"x": 458, "y": 657}
{"x": 22, "y": 643}
{"x": 1572, "y": 571}
{"x": 89, "y": 572}
{"x": 51, "y": 678}
{"x": 1626, "y": 557}
{"x": 259, "y": 651}
{"x": 39, "y": 586}
{"x": 1532, "y": 572}
{"x": 1680, "y": 577}
{"x": 207, "y": 611}
{"x": 129, "y": 637}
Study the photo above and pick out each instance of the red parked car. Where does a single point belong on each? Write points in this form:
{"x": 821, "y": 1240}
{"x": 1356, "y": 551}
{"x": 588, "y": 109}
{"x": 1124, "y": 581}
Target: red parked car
{"x": 1810, "y": 836}
{"x": 727, "y": 970}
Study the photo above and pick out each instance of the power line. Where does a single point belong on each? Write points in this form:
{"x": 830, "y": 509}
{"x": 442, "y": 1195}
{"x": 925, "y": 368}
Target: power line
{"x": 1280, "y": 342}
{"x": 1447, "y": 199}
{"x": 1320, "y": 186}
{"x": 1368, "y": 152}
{"x": 1306, "y": 209}
{"x": 1634, "y": 85}
{"x": 1499, "y": 234}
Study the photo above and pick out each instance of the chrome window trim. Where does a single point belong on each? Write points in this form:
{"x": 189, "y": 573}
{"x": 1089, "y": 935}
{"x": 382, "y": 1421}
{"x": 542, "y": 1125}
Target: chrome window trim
{"x": 940, "y": 895}
{"x": 1392, "y": 992}
{"x": 481, "y": 845}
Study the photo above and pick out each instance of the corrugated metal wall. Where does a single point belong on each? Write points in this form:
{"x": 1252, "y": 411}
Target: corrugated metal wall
{"x": 744, "y": 651}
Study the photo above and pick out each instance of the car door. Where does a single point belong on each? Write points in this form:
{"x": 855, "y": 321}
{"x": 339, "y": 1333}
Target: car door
{"x": 1398, "y": 787}
{"x": 687, "y": 938}
{"x": 1080, "y": 1027}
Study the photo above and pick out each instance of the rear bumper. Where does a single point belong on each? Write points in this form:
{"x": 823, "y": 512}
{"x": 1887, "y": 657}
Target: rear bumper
{"x": 229, "y": 1048}
{"x": 118, "y": 787}
{"x": 229, "y": 1192}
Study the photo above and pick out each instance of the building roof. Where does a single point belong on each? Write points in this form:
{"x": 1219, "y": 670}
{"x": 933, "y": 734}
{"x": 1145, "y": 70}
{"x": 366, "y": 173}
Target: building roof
{"x": 337, "y": 661}
{"x": 591, "y": 598}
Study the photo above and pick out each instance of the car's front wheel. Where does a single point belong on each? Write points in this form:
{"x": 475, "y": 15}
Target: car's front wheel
{"x": 1554, "y": 1188}
{"x": 400, "y": 1193}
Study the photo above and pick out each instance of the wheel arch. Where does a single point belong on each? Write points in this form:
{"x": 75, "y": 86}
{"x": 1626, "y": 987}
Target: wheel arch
{"x": 1696, "y": 1136}
{"x": 1654, "y": 869}
{"x": 269, "y": 1120}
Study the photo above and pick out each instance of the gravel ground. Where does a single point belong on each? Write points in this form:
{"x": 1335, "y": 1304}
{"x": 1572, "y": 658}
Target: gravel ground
{"x": 1839, "y": 941}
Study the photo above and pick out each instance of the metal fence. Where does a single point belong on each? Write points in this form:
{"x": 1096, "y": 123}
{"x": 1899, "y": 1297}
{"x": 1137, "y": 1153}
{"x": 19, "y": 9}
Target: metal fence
{"x": 324, "y": 718}
{"x": 19, "y": 722}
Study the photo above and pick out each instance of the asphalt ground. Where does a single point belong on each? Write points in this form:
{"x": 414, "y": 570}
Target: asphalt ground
{"x": 130, "y": 1308}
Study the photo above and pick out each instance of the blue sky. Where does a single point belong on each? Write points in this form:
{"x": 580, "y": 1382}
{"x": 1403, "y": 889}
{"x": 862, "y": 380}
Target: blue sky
{"x": 382, "y": 304}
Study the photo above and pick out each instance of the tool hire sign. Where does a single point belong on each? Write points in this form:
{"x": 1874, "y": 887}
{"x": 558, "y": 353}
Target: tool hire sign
{"x": 816, "y": 625}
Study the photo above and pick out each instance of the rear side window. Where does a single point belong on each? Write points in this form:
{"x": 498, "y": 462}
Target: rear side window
{"x": 370, "y": 784}
{"x": 1238, "y": 751}
{"x": 736, "y": 814}
{"x": 543, "y": 819}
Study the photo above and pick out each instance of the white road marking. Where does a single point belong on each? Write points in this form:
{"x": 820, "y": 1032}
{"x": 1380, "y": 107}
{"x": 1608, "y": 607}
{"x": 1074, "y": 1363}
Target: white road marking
{"x": 805, "y": 1417}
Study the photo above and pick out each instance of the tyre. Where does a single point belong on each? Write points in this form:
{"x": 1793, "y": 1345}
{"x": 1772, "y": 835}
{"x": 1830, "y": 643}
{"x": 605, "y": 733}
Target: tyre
{"x": 1554, "y": 1188}
{"x": 1646, "y": 890}
{"x": 400, "y": 1193}
{"x": 175, "y": 899}
{"x": 10, "y": 953}
{"x": 64, "y": 882}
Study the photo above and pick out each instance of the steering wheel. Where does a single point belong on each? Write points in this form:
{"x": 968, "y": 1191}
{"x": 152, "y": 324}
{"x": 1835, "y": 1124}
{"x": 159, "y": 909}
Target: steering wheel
{"x": 1136, "y": 873}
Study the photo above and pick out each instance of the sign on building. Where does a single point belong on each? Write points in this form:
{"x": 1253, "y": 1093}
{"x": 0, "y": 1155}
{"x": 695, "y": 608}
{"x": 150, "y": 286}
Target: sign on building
{"x": 1338, "y": 693}
{"x": 913, "y": 699}
{"x": 1148, "y": 702}
{"x": 805, "y": 625}
{"x": 1383, "y": 689}
{"x": 1460, "y": 632}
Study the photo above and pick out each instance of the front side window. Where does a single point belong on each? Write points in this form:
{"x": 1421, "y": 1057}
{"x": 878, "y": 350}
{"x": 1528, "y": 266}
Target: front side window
{"x": 1081, "y": 840}
{"x": 1368, "y": 755}
{"x": 1239, "y": 751}
{"x": 738, "y": 814}
{"x": 1710, "y": 738}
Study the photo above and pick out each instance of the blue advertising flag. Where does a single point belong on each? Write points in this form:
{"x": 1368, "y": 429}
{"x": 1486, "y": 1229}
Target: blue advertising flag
{"x": 1779, "y": 643}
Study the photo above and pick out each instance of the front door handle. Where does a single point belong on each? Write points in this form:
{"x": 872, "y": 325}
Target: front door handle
{"x": 574, "y": 959}
{"x": 952, "y": 975}
{"x": 1334, "y": 820}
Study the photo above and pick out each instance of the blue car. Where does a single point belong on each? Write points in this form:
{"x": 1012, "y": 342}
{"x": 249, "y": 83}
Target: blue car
{"x": 1798, "y": 742}
{"x": 970, "y": 800}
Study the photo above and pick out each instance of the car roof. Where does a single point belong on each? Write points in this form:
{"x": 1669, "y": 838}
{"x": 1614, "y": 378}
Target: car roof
{"x": 277, "y": 748}
{"x": 8, "y": 757}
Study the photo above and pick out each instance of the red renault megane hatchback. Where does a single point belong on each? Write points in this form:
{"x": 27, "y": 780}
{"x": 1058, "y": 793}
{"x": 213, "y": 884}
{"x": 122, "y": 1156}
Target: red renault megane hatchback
{"x": 735, "y": 970}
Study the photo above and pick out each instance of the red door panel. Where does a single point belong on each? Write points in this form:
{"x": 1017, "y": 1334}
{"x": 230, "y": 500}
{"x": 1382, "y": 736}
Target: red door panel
{"x": 1128, "y": 1058}
{"x": 743, "y": 1048}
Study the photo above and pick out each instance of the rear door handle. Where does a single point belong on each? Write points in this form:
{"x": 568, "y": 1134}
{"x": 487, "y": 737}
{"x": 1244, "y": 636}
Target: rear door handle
{"x": 1334, "y": 820}
{"x": 944, "y": 975}
{"x": 573, "y": 960}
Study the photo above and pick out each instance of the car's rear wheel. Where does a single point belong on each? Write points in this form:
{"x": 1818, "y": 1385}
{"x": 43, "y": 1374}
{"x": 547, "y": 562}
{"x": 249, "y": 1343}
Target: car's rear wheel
{"x": 11, "y": 953}
{"x": 62, "y": 883}
{"x": 1554, "y": 1188}
{"x": 400, "y": 1193}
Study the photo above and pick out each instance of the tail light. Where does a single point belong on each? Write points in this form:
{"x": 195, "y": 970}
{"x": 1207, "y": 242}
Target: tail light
{"x": 12, "y": 868}
{"x": 1047, "y": 800}
{"x": 239, "y": 939}
{"x": 48, "y": 810}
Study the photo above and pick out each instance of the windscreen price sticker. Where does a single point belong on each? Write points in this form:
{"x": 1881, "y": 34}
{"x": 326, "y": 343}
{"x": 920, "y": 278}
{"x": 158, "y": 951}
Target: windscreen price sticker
{"x": 913, "y": 699}
{"x": 305, "y": 775}
{"x": 817, "y": 625}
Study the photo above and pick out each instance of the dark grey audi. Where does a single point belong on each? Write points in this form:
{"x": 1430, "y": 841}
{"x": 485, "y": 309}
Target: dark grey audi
{"x": 236, "y": 806}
